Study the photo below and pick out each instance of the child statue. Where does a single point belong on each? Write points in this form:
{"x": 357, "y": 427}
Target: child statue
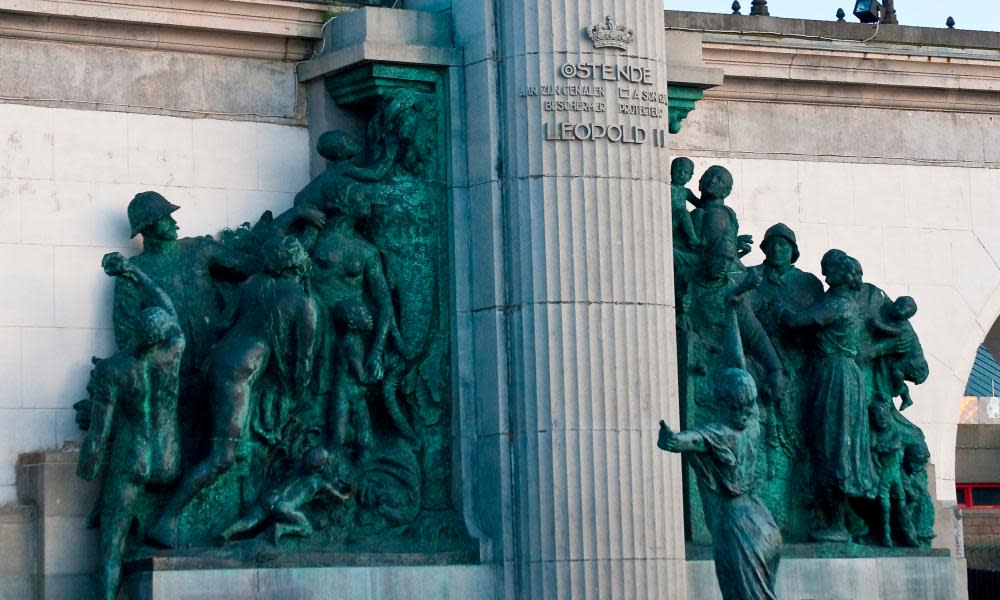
{"x": 319, "y": 473}
{"x": 920, "y": 506}
{"x": 354, "y": 324}
{"x": 350, "y": 410}
{"x": 681, "y": 171}
{"x": 745, "y": 538}
{"x": 887, "y": 450}
{"x": 713, "y": 219}
{"x": 911, "y": 364}
{"x": 324, "y": 191}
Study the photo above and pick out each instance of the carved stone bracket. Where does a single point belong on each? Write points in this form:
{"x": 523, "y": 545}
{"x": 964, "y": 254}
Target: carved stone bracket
{"x": 682, "y": 100}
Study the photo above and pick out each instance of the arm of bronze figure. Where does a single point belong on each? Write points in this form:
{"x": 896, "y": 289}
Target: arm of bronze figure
{"x": 117, "y": 265}
{"x": 95, "y": 443}
{"x": 680, "y": 441}
{"x": 744, "y": 244}
{"x": 882, "y": 327}
{"x": 817, "y": 315}
{"x": 761, "y": 348}
{"x": 370, "y": 174}
{"x": 886, "y": 348}
{"x": 128, "y": 305}
{"x": 384, "y": 314}
{"x": 306, "y": 338}
{"x": 330, "y": 489}
{"x": 302, "y": 213}
{"x": 157, "y": 296}
{"x": 755, "y": 338}
{"x": 693, "y": 198}
{"x": 237, "y": 262}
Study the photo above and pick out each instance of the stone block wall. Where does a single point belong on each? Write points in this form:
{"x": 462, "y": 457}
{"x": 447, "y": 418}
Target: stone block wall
{"x": 18, "y": 552}
{"x": 66, "y": 177}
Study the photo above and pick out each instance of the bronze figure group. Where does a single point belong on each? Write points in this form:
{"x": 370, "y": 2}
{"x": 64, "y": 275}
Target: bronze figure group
{"x": 288, "y": 383}
{"x": 837, "y": 462}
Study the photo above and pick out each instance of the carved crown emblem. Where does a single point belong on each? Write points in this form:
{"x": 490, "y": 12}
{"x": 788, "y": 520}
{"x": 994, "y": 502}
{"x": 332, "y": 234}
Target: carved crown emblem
{"x": 610, "y": 35}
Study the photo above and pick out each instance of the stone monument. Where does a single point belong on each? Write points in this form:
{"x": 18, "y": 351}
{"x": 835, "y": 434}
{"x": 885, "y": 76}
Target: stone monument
{"x": 449, "y": 352}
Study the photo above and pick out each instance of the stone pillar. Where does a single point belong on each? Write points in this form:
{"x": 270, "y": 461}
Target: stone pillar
{"x": 590, "y": 350}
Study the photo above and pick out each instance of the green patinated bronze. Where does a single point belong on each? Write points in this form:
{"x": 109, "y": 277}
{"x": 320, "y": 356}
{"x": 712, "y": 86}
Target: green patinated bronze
{"x": 838, "y": 462}
{"x": 746, "y": 540}
{"x": 289, "y": 384}
{"x": 681, "y": 100}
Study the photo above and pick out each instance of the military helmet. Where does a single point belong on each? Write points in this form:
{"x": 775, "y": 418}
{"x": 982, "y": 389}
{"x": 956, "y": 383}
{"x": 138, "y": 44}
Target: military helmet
{"x": 784, "y": 231}
{"x": 147, "y": 208}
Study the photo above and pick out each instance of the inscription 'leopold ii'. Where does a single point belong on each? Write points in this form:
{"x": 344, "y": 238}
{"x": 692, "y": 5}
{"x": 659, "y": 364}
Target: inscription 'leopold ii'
{"x": 591, "y": 132}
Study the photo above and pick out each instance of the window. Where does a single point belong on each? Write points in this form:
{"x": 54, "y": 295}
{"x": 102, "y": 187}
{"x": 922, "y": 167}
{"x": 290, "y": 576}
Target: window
{"x": 978, "y": 495}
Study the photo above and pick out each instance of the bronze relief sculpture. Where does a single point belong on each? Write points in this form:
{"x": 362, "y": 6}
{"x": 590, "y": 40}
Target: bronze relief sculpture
{"x": 286, "y": 388}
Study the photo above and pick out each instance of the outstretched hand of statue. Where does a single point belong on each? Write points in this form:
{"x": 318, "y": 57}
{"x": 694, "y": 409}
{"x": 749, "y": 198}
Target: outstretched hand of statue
{"x": 667, "y": 439}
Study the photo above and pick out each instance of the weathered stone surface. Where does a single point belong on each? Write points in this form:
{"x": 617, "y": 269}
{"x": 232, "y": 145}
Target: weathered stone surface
{"x": 151, "y": 81}
{"x": 361, "y": 583}
{"x": 902, "y": 578}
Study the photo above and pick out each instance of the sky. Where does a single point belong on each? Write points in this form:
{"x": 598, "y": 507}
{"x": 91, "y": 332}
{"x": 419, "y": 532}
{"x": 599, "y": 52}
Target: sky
{"x": 968, "y": 14}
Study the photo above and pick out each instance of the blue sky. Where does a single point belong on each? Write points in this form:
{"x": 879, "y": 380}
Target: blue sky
{"x": 968, "y": 14}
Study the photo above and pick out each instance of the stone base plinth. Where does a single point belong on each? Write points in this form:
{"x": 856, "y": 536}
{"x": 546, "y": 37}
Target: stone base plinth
{"x": 907, "y": 575}
{"x": 442, "y": 582}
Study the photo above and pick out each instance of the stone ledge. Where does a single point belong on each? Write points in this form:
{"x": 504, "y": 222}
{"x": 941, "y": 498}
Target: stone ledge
{"x": 782, "y": 68}
{"x": 15, "y": 514}
{"x": 384, "y": 35}
{"x": 364, "y": 583}
{"x": 216, "y": 559}
{"x": 831, "y": 30}
{"x": 276, "y": 29}
{"x": 886, "y": 578}
{"x": 696, "y": 552}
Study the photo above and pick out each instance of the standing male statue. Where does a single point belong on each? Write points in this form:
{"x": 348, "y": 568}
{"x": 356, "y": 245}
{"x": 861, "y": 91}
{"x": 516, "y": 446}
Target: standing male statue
{"x": 782, "y": 284}
{"x": 133, "y": 436}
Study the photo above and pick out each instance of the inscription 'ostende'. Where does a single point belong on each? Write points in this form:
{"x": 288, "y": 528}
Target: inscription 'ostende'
{"x": 605, "y": 72}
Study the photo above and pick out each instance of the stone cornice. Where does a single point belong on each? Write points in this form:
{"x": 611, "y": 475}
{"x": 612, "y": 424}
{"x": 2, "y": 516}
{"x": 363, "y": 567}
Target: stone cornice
{"x": 276, "y": 29}
{"x": 768, "y": 72}
{"x": 794, "y": 61}
{"x": 774, "y": 27}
